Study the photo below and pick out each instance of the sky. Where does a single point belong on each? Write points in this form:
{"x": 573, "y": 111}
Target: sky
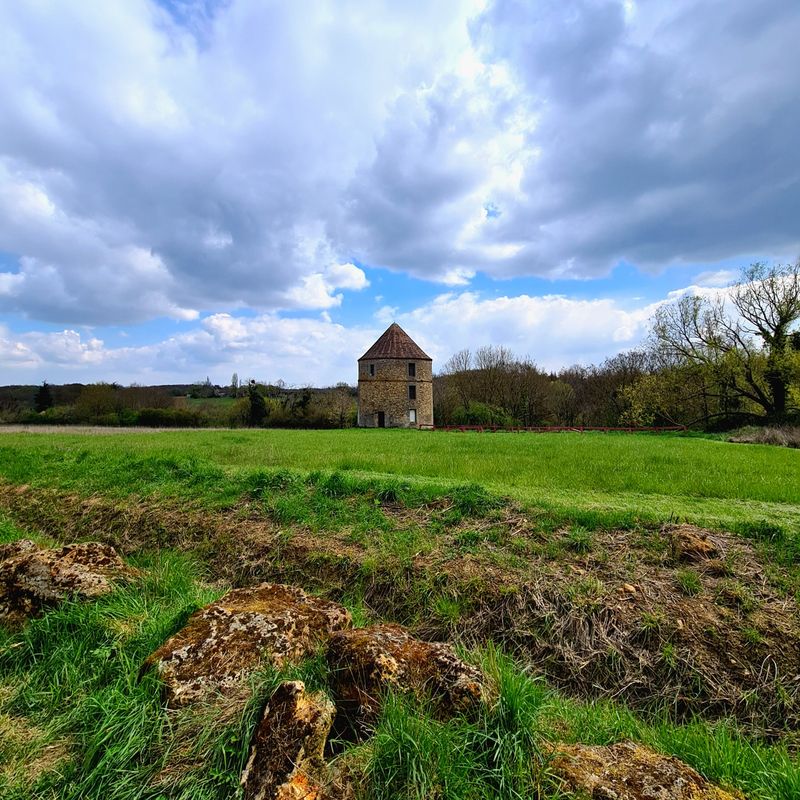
{"x": 192, "y": 188}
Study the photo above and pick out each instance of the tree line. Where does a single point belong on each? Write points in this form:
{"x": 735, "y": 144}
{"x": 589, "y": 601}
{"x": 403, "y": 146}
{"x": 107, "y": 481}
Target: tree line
{"x": 715, "y": 360}
{"x": 198, "y": 405}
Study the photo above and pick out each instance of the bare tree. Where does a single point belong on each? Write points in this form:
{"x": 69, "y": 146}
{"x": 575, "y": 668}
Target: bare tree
{"x": 492, "y": 364}
{"x": 746, "y": 352}
{"x": 768, "y": 300}
{"x": 459, "y": 369}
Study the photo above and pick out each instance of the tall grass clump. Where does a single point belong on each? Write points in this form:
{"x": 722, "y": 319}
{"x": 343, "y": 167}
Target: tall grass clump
{"x": 74, "y": 674}
{"x": 495, "y": 754}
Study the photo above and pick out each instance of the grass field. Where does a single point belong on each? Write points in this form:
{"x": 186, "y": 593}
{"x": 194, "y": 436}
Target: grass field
{"x": 414, "y": 527}
{"x": 650, "y": 477}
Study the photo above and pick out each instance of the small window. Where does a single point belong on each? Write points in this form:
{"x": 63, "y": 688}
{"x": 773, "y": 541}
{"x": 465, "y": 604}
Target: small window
{"x": 372, "y": 370}
{"x": 412, "y": 415}
{"x": 412, "y": 392}
{"x": 412, "y": 370}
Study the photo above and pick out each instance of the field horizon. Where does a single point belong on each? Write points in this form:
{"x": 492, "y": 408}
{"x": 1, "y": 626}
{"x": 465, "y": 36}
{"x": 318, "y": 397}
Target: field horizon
{"x": 677, "y": 476}
{"x": 556, "y": 563}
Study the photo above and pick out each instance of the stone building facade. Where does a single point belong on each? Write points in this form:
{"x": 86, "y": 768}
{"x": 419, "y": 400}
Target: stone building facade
{"x": 395, "y": 383}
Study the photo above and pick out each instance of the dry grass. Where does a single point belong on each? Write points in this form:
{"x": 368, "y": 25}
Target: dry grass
{"x": 780, "y": 435}
{"x": 27, "y": 753}
{"x": 602, "y": 613}
{"x": 90, "y": 430}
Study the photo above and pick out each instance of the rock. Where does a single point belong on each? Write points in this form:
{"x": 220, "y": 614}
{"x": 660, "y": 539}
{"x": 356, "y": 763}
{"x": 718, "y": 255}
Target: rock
{"x": 366, "y": 662}
{"x": 224, "y": 642}
{"x": 286, "y": 759}
{"x": 32, "y": 579}
{"x": 691, "y": 544}
{"x": 11, "y": 549}
{"x": 628, "y": 771}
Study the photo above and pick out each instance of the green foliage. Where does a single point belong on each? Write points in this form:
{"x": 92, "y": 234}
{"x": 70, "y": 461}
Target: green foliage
{"x": 476, "y": 413}
{"x": 592, "y": 479}
{"x": 74, "y": 674}
{"x": 579, "y": 540}
{"x": 258, "y": 406}
{"x": 689, "y": 582}
{"x": 43, "y": 398}
{"x": 505, "y": 751}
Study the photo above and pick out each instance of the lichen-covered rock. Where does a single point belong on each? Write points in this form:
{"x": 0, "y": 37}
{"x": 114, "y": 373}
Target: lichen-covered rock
{"x": 287, "y": 749}
{"x": 227, "y": 640}
{"x": 628, "y": 771}
{"x": 366, "y": 662}
{"x": 691, "y": 544}
{"x": 32, "y": 579}
{"x": 11, "y": 549}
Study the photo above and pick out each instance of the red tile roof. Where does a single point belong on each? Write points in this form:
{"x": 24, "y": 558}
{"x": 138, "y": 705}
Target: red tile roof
{"x": 394, "y": 342}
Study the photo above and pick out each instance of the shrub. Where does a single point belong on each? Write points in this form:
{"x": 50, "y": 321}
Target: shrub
{"x": 482, "y": 414}
{"x": 171, "y": 418}
{"x": 780, "y": 435}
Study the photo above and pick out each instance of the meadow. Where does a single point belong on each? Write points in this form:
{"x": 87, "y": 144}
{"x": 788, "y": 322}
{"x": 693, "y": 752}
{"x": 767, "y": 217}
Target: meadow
{"x": 507, "y": 544}
{"x": 615, "y": 475}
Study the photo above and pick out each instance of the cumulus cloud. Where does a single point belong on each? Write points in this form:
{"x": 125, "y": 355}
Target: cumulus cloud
{"x": 554, "y": 330}
{"x": 664, "y": 130}
{"x": 219, "y": 156}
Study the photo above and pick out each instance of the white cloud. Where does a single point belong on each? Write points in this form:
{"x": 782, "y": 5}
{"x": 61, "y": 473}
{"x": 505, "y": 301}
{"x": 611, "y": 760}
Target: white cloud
{"x": 718, "y": 277}
{"x": 221, "y": 144}
{"x": 554, "y": 330}
{"x": 386, "y": 314}
{"x": 457, "y": 276}
{"x": 318, "y": 289}
{"x": 247, "y": 155}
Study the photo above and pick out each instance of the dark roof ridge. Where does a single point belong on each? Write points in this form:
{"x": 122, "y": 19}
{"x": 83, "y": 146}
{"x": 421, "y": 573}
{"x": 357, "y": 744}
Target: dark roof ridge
{"x": 394, "y": 342}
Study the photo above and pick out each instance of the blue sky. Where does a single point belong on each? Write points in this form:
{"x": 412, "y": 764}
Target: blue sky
{"x": 193, "y": 188}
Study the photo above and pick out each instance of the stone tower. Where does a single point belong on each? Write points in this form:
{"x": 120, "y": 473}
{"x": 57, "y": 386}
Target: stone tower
{"x": 395, "y": 383}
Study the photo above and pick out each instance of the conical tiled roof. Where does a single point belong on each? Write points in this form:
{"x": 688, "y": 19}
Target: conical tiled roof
{"x": 394, "y": 342}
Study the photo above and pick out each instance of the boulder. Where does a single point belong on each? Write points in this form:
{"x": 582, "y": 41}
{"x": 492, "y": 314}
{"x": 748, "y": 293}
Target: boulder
{"x": 366, "y": 662}
{"x": 11, "y": 549}
{"x": 286, "y": 759}
{"x": 32, "y": 579}
{"x": 629, "y": 771}
{"x": 691, "y": 544}
{"x": 224, "y": 642}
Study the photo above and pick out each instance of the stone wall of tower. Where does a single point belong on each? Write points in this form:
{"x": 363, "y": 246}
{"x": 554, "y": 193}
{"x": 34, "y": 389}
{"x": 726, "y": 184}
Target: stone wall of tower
{"x": 387, "y": 391}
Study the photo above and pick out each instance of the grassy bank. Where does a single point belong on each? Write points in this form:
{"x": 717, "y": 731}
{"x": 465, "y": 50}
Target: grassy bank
{"x": 76, "y": 721}
{"x": 415, "y": 527}
{"x": 616, "y": 476}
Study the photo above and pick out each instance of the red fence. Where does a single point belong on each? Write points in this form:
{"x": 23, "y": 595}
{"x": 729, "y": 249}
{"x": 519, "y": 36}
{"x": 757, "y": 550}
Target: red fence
{"x": 558, "y": 429}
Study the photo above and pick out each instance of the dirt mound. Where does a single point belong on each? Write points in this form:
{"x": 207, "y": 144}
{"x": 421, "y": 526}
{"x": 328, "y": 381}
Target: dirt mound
{"x": 32, "y": 579}
{"x": 631, "y": 620}
{"x": 365, "y": 663}
{"x": 695, "y": 620}
{"x": 628, "y": 771}
{"x": 226, "y": 641}
{"x": 691, "y": 544}
{"x": 286, "y": 759}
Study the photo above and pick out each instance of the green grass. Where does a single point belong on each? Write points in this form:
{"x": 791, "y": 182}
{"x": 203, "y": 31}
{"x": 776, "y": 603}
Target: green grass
{"x": 608, "y": 476}
{"x": 505, "y": 753}
{"x": 70, "y": 684}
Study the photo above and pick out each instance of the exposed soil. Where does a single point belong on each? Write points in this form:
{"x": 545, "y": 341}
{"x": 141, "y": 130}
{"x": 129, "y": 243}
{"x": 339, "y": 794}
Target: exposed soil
{"x": 674, "y": 616}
